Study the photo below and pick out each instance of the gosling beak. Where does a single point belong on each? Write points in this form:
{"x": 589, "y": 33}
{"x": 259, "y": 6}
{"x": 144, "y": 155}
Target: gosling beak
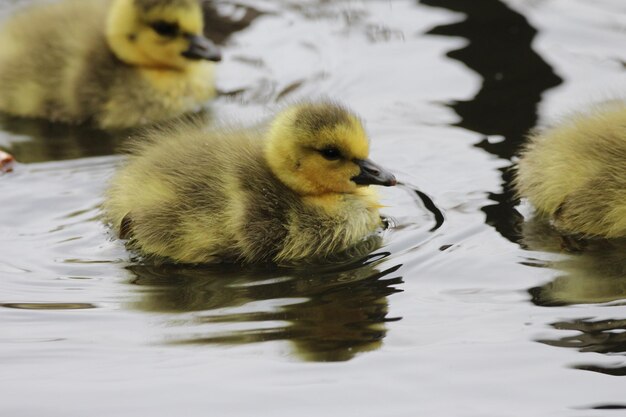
{"x": 202, "y": 48}
{"x": 372, "y": 173}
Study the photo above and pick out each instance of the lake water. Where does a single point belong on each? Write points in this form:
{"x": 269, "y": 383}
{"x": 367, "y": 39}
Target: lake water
{"x": 482, "y": 316}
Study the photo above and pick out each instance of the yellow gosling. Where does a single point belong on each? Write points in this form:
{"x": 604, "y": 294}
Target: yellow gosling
{"x": 293, "y": 191}
{"x": 114, "y": 63}
{"x": 576, "y": 173}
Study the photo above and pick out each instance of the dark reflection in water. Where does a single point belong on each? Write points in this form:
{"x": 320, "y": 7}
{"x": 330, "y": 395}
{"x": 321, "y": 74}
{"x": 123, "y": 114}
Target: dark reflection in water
{"x": 219, "y": 27}
{"x": 596, "y": 274}
{"x": 609, "y": 407}
{"x": 38, "y": 140}
{"x": 603, "y": 336}
{"x": 514, "y": 77}
{"x": 329, "y": 314}
{"x": 48, "y": 306}
{"x": 428, "y": 204}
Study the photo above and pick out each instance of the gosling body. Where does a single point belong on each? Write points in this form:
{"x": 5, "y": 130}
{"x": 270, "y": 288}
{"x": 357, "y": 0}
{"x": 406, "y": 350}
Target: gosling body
{"x": 293, "y": 191}
{"x": 114, "y": 63}
{"x": 575, "y": 173}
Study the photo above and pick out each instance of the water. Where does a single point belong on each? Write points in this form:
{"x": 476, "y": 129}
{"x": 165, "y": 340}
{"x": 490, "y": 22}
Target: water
{"x": 481, "y": 315}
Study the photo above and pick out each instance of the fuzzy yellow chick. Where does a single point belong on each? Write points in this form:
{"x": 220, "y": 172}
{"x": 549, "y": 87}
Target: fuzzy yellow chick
{"x": 114, "y": 63}
{"x": 575, "y": 173}
{"x": 294, "y": 190}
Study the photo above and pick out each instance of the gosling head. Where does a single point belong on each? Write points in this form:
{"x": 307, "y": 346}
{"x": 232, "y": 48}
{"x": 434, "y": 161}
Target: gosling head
{"x": 159, "y": 33}
{"x": 322, "y": 148}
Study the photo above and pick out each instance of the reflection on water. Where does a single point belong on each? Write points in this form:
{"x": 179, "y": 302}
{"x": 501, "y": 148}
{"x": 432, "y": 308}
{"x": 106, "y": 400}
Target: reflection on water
{"x": 603, "y": 336}
{"x": 596, "y": 274}
{"x": 329, "y": 314}
{"x": 609, "y": 407}
{"x": 428, "y": 204}
{"x": 35, "y": 140}
{"x": 513, "y": 78}
{"x": 48, "y": 306}
{"x": 220, "y": 23}
{"x": 38, "y": 140}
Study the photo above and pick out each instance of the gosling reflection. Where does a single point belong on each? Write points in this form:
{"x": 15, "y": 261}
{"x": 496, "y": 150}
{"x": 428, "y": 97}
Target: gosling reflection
{"x": 38, "y": 140}
{"x": 329, "y": 314}
{"x": 35, "y": 140}
{"x": 596, "y": 273}
{"x": 602, "y": 336}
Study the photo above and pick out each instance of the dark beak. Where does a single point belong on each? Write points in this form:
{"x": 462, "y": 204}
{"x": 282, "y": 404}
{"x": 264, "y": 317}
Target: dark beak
{"x": 373, "y": 174}
{"x": 202, "y": 48}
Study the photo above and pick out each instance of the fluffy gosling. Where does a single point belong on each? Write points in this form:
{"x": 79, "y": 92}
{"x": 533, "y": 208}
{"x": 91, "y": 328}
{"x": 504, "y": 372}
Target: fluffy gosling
{"x": 115, "y": 63}
{"x": 293, "y": 191}
{"x": 575, "y": 173}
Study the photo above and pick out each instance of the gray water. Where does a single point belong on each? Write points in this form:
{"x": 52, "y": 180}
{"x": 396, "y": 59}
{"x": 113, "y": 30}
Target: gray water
{"x": 483, "y": 316}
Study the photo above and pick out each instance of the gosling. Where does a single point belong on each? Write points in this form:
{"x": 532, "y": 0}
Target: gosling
{"x": 114, "y": 63}
{"x": 293, "y": 191}
{"x": 575, "y": 173}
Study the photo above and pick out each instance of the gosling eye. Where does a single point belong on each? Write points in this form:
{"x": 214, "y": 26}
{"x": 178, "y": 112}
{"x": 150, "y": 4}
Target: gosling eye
{"x": 330, "y": 153}
{"x": 164, "y": 28}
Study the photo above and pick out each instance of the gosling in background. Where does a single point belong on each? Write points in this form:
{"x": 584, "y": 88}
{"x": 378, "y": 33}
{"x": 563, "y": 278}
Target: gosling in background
{"x": 293, "y": 191}
{"x": 115, "y": 63}
{"x": 575, "y": 173}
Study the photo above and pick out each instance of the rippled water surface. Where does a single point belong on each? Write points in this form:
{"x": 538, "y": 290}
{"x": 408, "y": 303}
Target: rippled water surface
{"x": 483, "y": 316}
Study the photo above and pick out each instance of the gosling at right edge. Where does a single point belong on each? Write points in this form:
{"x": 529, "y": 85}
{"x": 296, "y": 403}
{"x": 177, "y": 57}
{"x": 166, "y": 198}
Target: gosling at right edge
{"x": 291, "y": 192}
{"x": 575, "y": 173}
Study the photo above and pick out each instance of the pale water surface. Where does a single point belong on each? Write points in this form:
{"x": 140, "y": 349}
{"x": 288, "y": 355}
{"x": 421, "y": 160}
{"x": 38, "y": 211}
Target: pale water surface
{"x": 482, "y": 316}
